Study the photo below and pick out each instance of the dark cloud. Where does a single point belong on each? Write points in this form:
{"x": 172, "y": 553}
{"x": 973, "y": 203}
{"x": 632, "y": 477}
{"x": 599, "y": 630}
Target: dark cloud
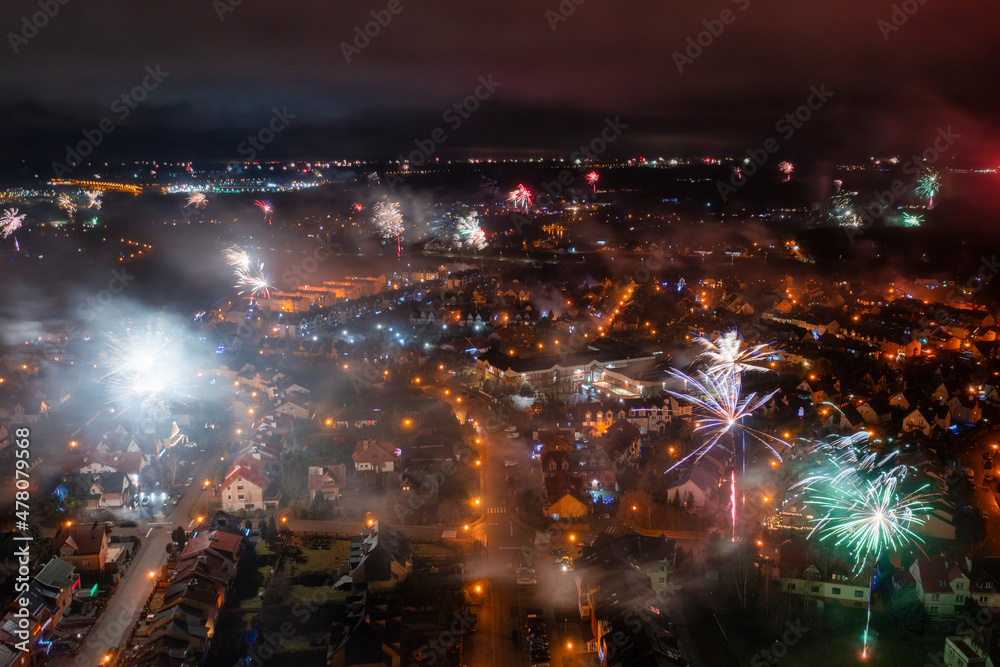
{"x": 604, "y": 59}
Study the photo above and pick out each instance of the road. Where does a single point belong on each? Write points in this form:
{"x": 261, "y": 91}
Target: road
{"x": 118, "y": 618}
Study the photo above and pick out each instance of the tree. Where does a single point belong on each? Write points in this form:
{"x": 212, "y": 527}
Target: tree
{"x": 526, "y": 390}
{"x": 270, "y": 533}
{"x": 675, "y": 503}
{"x": 908, "y": 610}
{"x": 261, "y": 526}
{"x": 179, "y": 535}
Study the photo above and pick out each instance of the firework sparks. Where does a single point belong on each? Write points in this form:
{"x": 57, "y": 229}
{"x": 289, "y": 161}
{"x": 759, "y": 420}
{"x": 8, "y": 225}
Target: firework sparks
{"x": 786, "y": 168}
{"x": 239, "y": 258}
{"x": 718, "y": 398}
{"x": 389, "y": 222}
{"x": 863, "y": 507}
{"x": 255, "y": 281}
{"x": 520, "y": 196}
{"x": 910, "y": 220}
{"x": 592, "y": 178}
{"x": 197, "y": 199}
{"x": 66, "y": 203}
{"x": 469, "y": 233}
{"x": 266, "y": 209}
{"x": 928, "y": 185}
{"x": 147, "y": 368}
{"x": 10, "y": 222}
{"x": 727, "y": 355}
{"x": 93, "y": 199}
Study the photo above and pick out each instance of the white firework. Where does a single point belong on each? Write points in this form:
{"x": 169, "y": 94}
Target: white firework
{"x": 726, "y": 354}
{"x": 469, "y": 233}
{"x": 388, "y": 219}
{"x": 93, "y": 199}
{"x": 147, "y": 369}
{"x": 10, "y": 221}
{"x": 197, "y": 199}
{"x": 722, "y": 407}
{"x": 66, "y": 203}
{"x": 239, "y": 258}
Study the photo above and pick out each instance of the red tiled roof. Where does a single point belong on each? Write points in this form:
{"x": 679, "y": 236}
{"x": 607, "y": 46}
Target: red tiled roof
{"x": 87, "y": 538}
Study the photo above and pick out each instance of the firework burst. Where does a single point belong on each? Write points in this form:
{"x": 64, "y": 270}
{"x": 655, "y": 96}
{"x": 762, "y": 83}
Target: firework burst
{"x": 239, "y": 258}
{"x": 722, "y": 407}
{"x": 389, "y": 222}
{"x": 592, "y": 178}
{"x": 66, "y": 203}
{"x": 520, "y": 196}
{"x": 786, "y": 168}
{"x": 255, "y": 281}
{"x": 266, "y": 209}
{"x": 197, "y": 199}
{"x": 10, "y": 222}
{"x": 147, "y": 368}
{"x": 469, "y": 233}
{"x": 928, "y": 185}
{"x": 728, "y": 356}
{"x": 863, "y": 507}
{"x": 910, "y": 220}
{"x": 93, "y": 199}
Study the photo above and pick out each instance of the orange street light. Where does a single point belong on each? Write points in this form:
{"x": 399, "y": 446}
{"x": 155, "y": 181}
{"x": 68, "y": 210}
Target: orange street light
{"x": 284, "y": 519}
{"x": 478, "y": 462}
{"x": 479, "y": 589}
{"x": 572, "y": 538}
{"x": 207, "y": 482}
{"x": 476, "y": 501}
{"x": 371, "y": 522}
{"x": 152, "y": 574}
{"x": 200, "y": 519}
{"x": 465, "y": 527}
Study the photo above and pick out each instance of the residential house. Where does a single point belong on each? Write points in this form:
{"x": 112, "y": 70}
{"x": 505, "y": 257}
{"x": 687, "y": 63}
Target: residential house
{"x": 328, "y": 480}
{"x": 84, "y": 546}
{"x": 564, "y": 497}
{"x": 821, "y": 580}
{"x": 694, "y": 486}
{"x": 372, "y": 455}
{"x": 942, "y": 585}
{"x": 380, "y": 558}
{"x": 246, "y": 487}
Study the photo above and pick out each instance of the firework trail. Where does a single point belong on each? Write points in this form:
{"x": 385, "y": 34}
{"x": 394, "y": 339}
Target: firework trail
{"x": 520, "y": 196}
{"x": 93, "y": 199}
{"x": 928, "y": 185}
{"x": 197, "y": 199}
{"x": 389, "y": 222}
{"x": 863, "y": 507}
{"x": 592, "y": 178}
{"x": 266, "y": 209}
{"x": 469, "y": 233}
{"x": 786, "y": 168}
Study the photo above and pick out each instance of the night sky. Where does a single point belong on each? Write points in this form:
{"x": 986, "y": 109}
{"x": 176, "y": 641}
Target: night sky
{"x": 557, "y": 85}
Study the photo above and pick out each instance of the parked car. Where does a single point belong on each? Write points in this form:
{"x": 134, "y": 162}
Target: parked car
{"x": 509, "y": 461}
{"x": 513, "y": 435}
